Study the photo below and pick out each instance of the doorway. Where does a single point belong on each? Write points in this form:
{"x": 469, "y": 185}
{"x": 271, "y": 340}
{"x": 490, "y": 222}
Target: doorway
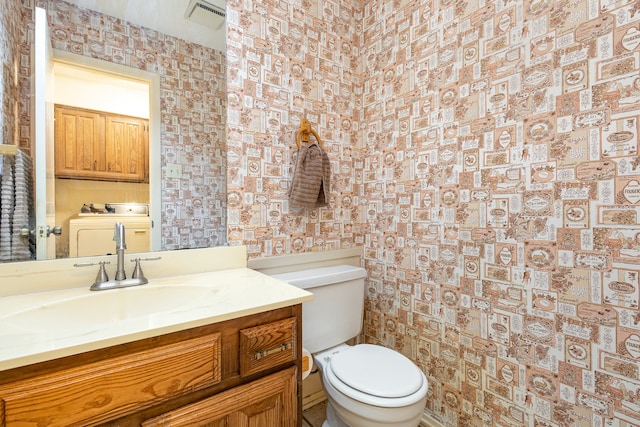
{"x": 96, "y": 85}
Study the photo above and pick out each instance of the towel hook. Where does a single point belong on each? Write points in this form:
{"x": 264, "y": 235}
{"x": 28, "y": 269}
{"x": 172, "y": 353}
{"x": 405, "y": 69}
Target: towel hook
{"x": 304, "y": 131}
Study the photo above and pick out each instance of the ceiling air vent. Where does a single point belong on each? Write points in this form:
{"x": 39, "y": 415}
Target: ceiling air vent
{"x": 207, "y": 14}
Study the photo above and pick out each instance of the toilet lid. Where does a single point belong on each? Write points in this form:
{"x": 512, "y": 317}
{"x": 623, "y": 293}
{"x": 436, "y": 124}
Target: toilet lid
{"x": 377, "y": 371}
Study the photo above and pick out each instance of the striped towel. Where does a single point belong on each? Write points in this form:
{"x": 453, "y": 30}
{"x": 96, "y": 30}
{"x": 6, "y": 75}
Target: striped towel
{"x": 310, "y": 185}
{"x": 16, "y": 207}
{"x": 7, "y": 204}
{"x": 23, "y": 213}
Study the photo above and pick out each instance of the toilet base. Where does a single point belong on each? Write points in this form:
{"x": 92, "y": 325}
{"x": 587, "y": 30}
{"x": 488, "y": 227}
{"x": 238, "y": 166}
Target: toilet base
{"x": 332, "y": 419}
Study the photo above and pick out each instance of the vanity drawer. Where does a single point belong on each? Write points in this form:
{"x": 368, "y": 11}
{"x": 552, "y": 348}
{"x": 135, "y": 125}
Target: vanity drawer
{"x": 100, "y": 391}
{"x": 267, "y": 346}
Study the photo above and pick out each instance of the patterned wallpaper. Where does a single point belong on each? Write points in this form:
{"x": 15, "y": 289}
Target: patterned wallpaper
{"x": 9, "y": 57}
{"x": 288, "y": 61}
{"x": 193, "y": 112}
{"x": 485, "y": 153}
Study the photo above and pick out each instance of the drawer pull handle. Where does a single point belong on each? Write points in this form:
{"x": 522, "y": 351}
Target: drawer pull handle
{"x": 282, "y": 347}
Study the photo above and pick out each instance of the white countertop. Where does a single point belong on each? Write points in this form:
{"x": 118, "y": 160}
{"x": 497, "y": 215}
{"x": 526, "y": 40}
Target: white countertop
{"x": 28, "y": 335}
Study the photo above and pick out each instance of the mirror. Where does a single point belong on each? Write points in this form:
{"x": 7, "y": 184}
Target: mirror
{"x": 180, "y": 45}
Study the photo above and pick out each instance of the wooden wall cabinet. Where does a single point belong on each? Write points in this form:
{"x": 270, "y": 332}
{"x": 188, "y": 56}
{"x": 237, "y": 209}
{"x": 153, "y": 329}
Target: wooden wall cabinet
{"x": 240, "y": 372}
{"x": 100, "y": 146}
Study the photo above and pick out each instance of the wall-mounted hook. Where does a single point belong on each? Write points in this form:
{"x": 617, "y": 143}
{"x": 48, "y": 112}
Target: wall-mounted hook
{"x": 303, "y": 133}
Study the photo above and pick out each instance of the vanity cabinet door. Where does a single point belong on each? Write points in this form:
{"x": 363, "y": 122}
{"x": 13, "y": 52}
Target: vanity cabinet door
{"x": 101, "y": 391}
{"x": 268, "y": 401}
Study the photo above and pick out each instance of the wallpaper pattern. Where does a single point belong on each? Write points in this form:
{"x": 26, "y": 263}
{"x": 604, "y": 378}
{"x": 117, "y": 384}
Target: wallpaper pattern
{"x": 193, "y": 112}
{"x": 486, "y": 154}
{"x": 503, "y": 136}
{"x": 290, "y": 60}
{"x": 9, "y": 58}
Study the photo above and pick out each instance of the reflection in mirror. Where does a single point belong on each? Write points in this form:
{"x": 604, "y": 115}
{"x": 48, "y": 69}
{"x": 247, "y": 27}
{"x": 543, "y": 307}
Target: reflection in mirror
{"x": 185, "y": 186}
{"x": 101, "y": 160}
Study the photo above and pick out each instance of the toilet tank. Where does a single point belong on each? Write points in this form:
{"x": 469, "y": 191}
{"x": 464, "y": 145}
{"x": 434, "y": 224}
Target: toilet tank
{"x": 336, "y": 312}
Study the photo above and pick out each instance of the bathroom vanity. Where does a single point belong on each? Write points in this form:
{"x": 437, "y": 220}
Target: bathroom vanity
{"x": 232, "y": 358}
{"x": 238, "y": 372}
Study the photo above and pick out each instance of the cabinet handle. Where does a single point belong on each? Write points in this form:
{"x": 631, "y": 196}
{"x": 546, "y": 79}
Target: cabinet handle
{"x": 282, "y": 347}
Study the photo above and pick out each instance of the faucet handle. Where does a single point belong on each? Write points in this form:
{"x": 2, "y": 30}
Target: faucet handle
{"x": 137, "y": 270}
{"x": 89, "y": 264}
{"x": 155, "y": 258}
{"x": 102, "y": 273}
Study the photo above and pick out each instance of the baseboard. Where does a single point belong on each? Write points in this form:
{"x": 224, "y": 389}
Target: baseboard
{"x": 428, "y": 421}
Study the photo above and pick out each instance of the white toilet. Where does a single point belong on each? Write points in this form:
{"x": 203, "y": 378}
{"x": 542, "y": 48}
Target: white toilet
{"x": 366, "y": 385}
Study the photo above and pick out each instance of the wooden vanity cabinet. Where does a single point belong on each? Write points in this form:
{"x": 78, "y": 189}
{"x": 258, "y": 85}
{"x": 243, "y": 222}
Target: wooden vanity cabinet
{"x": 100, "y": 146}
{"x": 268, "y": 401}
{"x": 240, "y": 372}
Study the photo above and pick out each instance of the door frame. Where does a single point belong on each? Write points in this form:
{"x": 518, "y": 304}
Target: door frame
{"x": 42, "y": 137}
{"x": 155, "y": 171}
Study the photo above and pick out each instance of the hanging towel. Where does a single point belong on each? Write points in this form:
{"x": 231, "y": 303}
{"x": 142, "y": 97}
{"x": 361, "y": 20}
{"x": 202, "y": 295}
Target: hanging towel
{"x": 310, "y": 185}
{"x": 16, "y": 207}
{"x": 7, "y": 205}
{"x": 23, "y": 213}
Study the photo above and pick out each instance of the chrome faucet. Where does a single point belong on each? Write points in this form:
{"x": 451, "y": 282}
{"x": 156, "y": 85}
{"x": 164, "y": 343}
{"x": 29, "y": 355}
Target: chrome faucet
{"x": 102, "y": 281}
{"x": 118, "y": 237}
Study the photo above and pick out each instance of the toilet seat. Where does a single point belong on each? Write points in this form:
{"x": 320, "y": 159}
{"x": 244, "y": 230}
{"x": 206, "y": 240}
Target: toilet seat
{"x": 377, "y": 376}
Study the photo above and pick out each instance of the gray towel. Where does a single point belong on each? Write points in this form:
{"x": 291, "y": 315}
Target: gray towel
{"x": 7, "y": 205}
{"x": 16, "y": 207}
{"x": 310, "y": 185}
{"x": 23, "y": 210}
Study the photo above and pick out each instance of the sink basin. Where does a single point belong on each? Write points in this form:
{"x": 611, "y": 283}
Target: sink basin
{"x": 95, "y": 309}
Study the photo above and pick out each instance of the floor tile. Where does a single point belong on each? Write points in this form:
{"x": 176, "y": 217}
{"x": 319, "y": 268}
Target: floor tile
{"x": 316, "y": 415}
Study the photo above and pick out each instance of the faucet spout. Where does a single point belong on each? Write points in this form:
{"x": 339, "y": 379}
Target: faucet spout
{"x": 118, "y": 237}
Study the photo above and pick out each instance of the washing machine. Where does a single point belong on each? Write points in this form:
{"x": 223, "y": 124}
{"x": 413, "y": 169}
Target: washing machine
{"x": 91, "y": 231}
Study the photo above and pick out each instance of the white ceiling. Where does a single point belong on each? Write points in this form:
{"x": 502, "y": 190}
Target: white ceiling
{"x": 166, "y": 16}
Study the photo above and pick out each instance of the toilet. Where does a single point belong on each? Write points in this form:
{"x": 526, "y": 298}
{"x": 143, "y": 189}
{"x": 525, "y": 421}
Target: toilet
{"x": 366, "y": 385}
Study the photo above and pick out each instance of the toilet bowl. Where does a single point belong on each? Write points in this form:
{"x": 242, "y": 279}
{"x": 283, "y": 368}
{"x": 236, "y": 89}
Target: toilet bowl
{"x": 370, "y": 385}
{"x": 366, "y": 385}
